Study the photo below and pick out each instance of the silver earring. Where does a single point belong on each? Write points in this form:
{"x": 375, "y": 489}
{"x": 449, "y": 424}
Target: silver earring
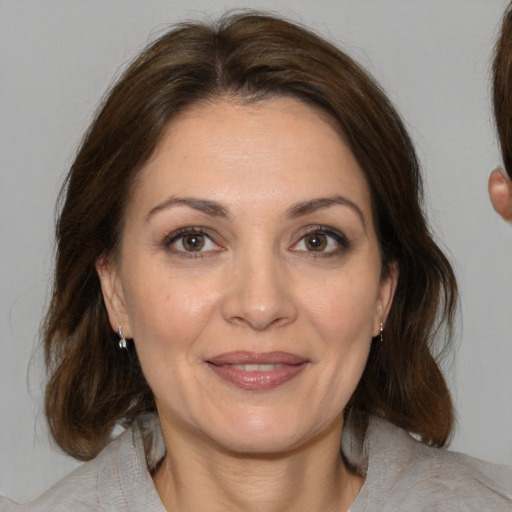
{"x": 122, "y": 339}
{"x": 381, "y": 331}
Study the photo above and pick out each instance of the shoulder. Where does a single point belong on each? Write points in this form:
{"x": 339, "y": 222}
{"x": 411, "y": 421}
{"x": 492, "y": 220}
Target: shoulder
{"x": 404, "y": 474}
{"x": 118, "y": 479}
{"x": 77, "y": 491}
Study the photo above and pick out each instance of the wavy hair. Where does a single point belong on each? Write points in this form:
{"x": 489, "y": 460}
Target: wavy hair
{"x": 93, "y": 386}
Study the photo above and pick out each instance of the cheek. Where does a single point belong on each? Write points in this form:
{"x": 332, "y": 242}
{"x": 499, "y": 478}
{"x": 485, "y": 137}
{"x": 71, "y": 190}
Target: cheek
{"x": 343, "y": 308}
{"x": 166, "y": 308}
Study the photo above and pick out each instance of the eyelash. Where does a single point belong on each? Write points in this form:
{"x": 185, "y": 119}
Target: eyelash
{"x": 180, "y": 234}
{"x": 339, "y": 238}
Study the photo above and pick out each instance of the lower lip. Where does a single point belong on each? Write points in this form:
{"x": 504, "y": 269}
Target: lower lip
{"x": 258, "y": 380}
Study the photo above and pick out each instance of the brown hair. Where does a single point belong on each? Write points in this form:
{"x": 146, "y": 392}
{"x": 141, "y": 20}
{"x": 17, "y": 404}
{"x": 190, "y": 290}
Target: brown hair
{"x": 92, "y": 385}
{"x": 502, "y": 83}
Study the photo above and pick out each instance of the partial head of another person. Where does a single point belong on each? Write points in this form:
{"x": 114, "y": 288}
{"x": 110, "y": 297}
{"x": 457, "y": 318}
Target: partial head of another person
{"x": 172, "y": 135}
{"x": 500, "y": 181}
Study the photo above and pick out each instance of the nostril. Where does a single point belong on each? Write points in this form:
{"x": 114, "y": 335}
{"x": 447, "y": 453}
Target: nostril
{"x": 258, "y": 314}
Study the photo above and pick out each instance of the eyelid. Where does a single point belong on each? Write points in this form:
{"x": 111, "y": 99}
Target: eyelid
{"x": 339, "y": 237}
{"x": 170, "y": 238}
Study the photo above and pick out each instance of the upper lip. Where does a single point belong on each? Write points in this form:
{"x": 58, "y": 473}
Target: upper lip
{"x": 246, "y": 357}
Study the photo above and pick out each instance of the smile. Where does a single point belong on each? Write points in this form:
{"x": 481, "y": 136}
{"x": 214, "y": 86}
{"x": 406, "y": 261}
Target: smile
{"x": 257, "y": 371}
{"x": 257, "y": 367}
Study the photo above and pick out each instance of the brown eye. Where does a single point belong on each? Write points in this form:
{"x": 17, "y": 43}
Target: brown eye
{"x": 316, "y": 242}
{"x": 322, "y": 241}
{"x": 193, "y": 242}
{"x": 190, "y": 241}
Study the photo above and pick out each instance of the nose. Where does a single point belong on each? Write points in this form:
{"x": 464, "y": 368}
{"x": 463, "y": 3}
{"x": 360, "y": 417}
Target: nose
{"x": 259, "y": 293}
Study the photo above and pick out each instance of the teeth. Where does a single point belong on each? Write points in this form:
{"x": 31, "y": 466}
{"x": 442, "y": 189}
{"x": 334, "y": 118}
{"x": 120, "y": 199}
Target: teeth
{"x": 257, "y": 367}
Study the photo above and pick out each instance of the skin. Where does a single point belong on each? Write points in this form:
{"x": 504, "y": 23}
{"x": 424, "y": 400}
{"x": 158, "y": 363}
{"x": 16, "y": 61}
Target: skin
{"x": 500, "y": 193}
{"x": 257, "y": 284}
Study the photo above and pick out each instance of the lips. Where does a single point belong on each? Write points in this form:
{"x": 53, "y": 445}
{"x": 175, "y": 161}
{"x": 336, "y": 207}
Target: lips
{"x": 257, "y": 371}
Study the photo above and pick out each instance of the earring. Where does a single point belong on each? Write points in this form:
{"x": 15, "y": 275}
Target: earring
{"x": 381, "y": 330}
{"x": 122, "y": 339}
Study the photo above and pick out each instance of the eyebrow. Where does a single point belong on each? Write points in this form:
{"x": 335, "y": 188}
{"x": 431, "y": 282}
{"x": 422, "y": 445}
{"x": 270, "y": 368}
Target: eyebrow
{"x": 313, "y": 205}
{"x": 206, "y": 206}
{"x": 215, "y": 209}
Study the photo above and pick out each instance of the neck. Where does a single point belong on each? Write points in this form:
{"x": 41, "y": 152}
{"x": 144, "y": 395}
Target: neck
{"x": 197, "y": 475}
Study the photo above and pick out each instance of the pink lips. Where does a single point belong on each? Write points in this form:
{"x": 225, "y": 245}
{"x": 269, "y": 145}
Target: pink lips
{"x": 257, "y": 371}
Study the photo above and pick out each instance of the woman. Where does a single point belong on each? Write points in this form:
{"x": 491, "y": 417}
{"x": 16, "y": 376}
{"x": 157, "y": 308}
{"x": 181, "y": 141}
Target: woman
{"x": 245, "y": 280}
{"x": 500, "y": 184}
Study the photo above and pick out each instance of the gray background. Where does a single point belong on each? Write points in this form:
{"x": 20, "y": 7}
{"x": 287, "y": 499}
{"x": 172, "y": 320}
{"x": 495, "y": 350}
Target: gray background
{"x": 432, "y": 58}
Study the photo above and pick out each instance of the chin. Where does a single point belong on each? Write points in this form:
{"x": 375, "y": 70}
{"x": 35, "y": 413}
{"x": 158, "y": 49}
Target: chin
{"x": 261, "y": 435}
{"x": 261, "y": 443}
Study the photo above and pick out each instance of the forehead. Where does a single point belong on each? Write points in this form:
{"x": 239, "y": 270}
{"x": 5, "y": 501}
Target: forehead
{"x": 279, "y": 150}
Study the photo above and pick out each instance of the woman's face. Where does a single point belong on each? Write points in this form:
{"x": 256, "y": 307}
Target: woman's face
{"x": 249, "y": 275}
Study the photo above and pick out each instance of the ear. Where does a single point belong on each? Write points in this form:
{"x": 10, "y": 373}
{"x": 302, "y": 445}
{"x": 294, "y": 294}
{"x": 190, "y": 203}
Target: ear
{"x": 500, "y": 193}
{"x": 113, "y": 295}
{"x": 385, "y": 298}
